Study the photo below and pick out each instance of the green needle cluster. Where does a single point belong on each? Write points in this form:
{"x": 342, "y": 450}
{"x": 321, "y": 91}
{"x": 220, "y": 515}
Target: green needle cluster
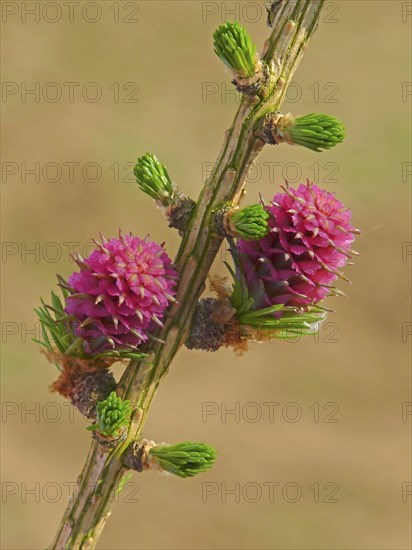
{"x": 153, "y": 179}
{"x": 316, "y": 131}
{"x": 279, "y": 321}
{"x": 184, "y": 459}
{"x": 112, "y": 415}
{"x": 250, "y": 223}
{"x": 235, "y": 48}
{"x": 58, "y": 332}
{"x": 292, "y": 323}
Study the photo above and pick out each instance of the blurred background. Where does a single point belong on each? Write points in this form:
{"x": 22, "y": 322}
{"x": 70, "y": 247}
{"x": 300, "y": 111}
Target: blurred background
{"x": 316, "y": 452}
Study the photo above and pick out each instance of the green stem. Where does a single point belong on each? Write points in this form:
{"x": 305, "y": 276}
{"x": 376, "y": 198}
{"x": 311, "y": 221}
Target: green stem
{"x": 88, "y": 510}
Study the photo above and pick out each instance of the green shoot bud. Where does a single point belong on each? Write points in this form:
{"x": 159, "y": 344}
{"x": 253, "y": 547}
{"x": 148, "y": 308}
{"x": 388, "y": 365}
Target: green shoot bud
{"x": 249, "y": 223}
{"x": 153, "y": 179}
{"x": 315, "y": 131}
{"x": 183, "y": 459}
{"x": 235, "y": 48}
{"x": 112, "y": 415}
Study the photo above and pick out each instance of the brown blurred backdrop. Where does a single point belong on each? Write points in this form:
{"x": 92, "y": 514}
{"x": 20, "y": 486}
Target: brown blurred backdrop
{"x": 337, "y": 451}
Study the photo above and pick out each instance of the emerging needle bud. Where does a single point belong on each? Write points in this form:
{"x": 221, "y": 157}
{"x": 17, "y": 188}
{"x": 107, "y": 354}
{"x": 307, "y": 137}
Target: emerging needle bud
{"x": 112, "y": 416}
{"x": 183, "y": 459}
{"x": 234, "y": 46}
{"x": 315, "y": 131}
{"x": 247, "y": 223}
{"x": 153, "y": 179}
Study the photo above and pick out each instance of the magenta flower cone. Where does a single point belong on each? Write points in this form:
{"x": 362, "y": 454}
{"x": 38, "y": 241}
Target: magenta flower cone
{"x": 310, "y": 241}
{"x": 120, "y": 293}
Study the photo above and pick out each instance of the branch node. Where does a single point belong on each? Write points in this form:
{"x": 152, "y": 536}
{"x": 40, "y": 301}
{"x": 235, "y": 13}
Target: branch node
{"x": 137, "y": 453}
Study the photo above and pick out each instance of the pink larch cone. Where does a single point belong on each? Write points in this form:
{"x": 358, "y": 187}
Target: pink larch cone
{"x": 120, "y": 293}
{"x": 309, "y": 242}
